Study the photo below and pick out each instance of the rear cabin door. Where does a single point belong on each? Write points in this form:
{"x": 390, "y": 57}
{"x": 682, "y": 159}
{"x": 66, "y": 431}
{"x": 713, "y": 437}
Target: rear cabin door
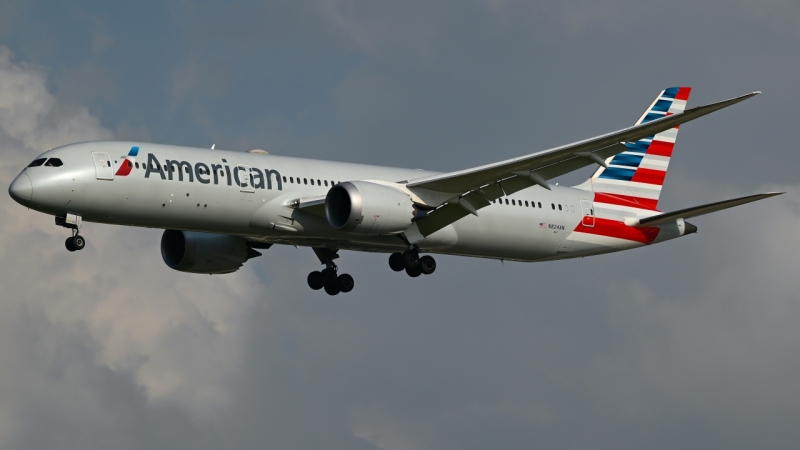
{"x": 588, "y": 213}
{"x": 103, "y": 166}
{"x": 245, "y": 176}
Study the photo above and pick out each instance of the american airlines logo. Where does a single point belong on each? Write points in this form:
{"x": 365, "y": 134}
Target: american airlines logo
{"x": 211, "y": 173}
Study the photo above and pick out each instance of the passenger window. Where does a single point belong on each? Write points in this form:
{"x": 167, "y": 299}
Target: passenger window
{"x": 312, "y": 181}
{"x": 506, "y": 201}
{"x": 559, "y": 207}
{"x": 137, "y": 165}
{"x": 526, "y": 203}
{"x": 37, "y": 162}
{"x": 326, "y": 182}
{"x": 305, "y": 180}
{"x": 540, "y": 204}
{"x": 284, "y": 179}
{"x": 291, "y": 180}
{"x": 572, "y": 208}
{"x": 318, "y": 183}
{"x": 553, "y": 205}
{"x": 54, "y": 162}
{"x": 512, "y": 202}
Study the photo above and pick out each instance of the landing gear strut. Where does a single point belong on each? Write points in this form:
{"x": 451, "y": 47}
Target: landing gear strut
{"x": 73, "y": 222}
{"x": 328, "y": 278}
{"x": 411, "y": 262}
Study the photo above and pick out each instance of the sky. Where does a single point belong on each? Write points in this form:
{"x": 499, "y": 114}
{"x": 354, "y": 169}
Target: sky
{"x": 689, "y": 344}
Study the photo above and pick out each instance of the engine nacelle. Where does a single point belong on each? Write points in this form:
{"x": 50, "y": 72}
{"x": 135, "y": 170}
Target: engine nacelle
{"x": 369, "y": 208}
{"x": 195, "y": 252}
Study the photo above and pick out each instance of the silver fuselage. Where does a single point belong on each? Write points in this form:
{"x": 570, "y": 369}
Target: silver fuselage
{"x": 194, "y": 199}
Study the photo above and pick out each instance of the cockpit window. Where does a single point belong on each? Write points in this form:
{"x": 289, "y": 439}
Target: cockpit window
{"x": 54, "y": 162}
{"x": 37, "y": 162}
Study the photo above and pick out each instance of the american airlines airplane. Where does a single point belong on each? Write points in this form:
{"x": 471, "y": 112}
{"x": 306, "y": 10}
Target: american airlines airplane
{"x": 219, "y": 208}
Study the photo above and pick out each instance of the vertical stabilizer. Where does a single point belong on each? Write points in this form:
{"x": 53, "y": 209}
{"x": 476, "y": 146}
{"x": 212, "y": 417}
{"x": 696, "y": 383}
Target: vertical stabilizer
{"x": 635, "y": 176}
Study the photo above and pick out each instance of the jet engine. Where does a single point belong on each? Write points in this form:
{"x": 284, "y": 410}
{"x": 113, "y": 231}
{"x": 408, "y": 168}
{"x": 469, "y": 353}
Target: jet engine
{"x": 195, "y": 252}
{"x": 369, "y": 208}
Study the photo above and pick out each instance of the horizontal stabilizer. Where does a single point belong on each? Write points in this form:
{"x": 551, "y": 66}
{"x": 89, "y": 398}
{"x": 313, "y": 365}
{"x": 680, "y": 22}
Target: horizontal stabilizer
{"x": 703, "y": 209}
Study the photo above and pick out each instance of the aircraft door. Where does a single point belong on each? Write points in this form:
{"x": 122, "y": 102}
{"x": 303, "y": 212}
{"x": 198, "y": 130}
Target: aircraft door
{"x": 588, "y": 213}
{"x": 103, "y": 166}
{"x": 244, "y": 177}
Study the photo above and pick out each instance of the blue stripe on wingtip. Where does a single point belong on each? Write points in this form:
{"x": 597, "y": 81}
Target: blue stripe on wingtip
{"x": 670, "y": 92}
{"x": 652, "y": 116}
{"x": 627, "y": 159}
{"x": 638, "y": 146}
{"x": 661, "y": 105}
{"x": 134, "y": 151}
{"x": 616, "y": 173}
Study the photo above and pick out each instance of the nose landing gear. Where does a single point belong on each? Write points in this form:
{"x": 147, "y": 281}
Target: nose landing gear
{"x": 73, "y": 222}
{"x": 76, "y": 242}
{"x": 328, "y": 278}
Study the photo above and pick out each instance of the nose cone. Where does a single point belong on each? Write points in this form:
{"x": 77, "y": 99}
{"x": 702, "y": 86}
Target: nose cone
{"x": 21, "y": 189}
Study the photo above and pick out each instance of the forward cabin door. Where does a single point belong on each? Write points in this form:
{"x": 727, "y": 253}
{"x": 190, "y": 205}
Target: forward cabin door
{"x": 103, "y": 166}
{"x": 588, "y": 213}
{"x": 245, "y": 178}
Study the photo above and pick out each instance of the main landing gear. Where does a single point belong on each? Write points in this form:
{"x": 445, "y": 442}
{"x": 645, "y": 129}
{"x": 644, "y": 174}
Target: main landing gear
{"x": 328, "y": 278}
{"x": 411, "y": 262}
{"x": 73, "y": 222}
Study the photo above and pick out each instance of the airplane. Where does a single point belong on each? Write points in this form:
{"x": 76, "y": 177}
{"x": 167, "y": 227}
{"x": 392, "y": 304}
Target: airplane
{"x": 219, "y": 208}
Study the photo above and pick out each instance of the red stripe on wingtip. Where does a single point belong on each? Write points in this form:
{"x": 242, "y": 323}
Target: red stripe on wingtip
{"x": 649, "y": 176}
{"x": 683, "y": 93}
{"x": 660, "y": 148}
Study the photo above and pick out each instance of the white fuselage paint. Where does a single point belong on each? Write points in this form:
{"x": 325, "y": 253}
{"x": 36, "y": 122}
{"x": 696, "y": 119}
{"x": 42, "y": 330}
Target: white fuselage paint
{"x": 501, "y": 231}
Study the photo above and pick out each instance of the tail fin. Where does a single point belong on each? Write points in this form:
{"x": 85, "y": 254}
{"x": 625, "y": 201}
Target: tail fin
{"x": 635, "y": 176}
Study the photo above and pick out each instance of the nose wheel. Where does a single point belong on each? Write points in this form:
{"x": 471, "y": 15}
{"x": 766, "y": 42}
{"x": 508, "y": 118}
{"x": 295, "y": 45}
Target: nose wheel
{"x": 412, "y": 263}
{"x": 72, "y": 222}
{"x": 75, "y": 243}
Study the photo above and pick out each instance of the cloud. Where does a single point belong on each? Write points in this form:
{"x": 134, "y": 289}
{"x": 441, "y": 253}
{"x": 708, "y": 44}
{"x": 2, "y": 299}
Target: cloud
{"x": 90, "y": 335}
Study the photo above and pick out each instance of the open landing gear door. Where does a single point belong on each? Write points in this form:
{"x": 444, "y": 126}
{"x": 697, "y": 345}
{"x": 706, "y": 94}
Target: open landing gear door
{"x": 103, "y": 166}
{"x": 588, "y": 213}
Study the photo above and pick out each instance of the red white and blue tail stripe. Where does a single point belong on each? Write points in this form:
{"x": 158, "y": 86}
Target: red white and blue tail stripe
{"x": 633, "y": 178}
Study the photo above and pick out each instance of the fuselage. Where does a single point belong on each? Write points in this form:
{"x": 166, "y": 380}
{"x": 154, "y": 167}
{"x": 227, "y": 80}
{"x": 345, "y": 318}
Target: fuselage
{"x": 251, "y": 195}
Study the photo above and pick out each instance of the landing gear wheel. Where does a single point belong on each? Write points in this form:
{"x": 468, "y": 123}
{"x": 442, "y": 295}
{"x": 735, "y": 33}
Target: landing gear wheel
{"x": 332, "y": 289}
{"x": 345, "y": 282}
{"x": 315, "y": 280}
{"x": 78, "y": 242}
{"x": 69, "y": 244}
{"x": 397, "y": 262}
{"x": 329, "y": 278}
{"x": 413, "y": 273}
{"x": 427, "y": 265}
{"x": 411, "y": 259}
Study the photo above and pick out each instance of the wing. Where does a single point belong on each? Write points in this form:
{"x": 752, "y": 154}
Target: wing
{"x": 702, "y": 209}
{"x": 475, "y": 188}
